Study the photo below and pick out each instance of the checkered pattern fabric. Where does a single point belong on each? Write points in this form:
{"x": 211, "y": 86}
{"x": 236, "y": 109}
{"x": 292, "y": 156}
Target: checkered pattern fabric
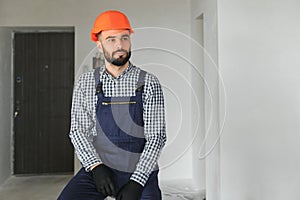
{"x": 83, "y": 117}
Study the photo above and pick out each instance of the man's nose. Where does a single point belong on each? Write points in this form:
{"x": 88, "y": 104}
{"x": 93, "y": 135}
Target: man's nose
{"x": 119, "y": 43}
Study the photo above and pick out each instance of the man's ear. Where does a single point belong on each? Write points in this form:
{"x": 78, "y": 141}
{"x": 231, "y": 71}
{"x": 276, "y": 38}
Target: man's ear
{"x": 99, "y": 46}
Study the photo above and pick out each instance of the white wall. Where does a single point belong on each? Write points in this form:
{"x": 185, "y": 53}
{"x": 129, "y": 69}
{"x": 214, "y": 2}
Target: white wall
{"x": 259, "y": 59}
{"x": 5, "y": 103}
{"x": 199, "y": 87}
{"x": 210, "y": 154}
{"x": 168, "y": 53}
{"x": 82, "y": 15}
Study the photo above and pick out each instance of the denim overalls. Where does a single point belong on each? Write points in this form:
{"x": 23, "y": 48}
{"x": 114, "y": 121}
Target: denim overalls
{"x": 120, "y": 127}
{"x": 120, "y": 135}
{"x": 119, "y": 143}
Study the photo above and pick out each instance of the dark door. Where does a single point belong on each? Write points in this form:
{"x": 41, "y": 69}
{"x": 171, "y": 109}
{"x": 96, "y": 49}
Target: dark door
{"x": 44, "y": 76}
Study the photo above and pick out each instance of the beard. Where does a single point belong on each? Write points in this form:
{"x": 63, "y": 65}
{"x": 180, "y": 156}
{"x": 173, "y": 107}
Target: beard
{"x": 120, "y": 61}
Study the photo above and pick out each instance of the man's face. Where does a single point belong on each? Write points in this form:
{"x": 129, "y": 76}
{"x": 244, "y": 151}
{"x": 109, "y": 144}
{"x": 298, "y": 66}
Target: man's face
{"x": 115, "y": 46}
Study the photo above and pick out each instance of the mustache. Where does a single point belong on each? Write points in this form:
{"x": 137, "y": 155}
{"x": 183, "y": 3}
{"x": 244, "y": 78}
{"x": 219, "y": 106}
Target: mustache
{"x": 121, "y": 50}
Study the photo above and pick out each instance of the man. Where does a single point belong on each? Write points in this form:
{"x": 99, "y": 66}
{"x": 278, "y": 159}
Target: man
{"x": 117, "y": 122}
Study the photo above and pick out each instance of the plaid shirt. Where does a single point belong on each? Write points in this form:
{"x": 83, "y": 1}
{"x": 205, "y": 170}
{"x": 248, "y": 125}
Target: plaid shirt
{"x": 83, "y": 117}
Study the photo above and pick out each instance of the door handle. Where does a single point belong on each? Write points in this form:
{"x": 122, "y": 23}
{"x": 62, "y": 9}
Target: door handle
{"x": 17, "y": 109}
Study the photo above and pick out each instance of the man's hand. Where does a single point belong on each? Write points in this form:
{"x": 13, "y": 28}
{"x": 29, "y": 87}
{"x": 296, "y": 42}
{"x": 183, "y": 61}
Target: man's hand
{"x": 104, "y": 180}
{"x": 130, "y": 191}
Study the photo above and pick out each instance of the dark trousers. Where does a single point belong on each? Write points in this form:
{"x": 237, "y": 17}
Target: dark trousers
{"x": 82, "y": 187}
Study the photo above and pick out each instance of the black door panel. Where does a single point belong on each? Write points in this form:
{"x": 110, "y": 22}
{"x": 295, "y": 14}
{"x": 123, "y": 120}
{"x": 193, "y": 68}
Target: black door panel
{"x": 44, "y": 76}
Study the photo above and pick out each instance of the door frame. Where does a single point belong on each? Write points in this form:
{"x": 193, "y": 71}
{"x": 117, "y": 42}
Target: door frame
{"x": 26, "y": 29}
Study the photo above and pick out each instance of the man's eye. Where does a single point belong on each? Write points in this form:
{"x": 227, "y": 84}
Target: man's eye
{"x": 125, "y": 38}
{"x": 111, "y": 40}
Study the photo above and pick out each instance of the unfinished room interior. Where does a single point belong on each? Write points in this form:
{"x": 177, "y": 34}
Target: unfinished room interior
{"x": 230, "y": 75}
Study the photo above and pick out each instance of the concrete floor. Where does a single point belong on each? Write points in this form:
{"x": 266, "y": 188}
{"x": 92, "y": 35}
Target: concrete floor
{"x": 33, "y": 187}
{"x": 49, "y": 187}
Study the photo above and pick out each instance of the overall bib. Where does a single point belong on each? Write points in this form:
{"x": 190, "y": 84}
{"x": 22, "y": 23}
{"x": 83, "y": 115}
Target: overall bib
{"x": 120, "y": 136}
{"x": 119, "y": 143}
{"x": 120, "y": 128}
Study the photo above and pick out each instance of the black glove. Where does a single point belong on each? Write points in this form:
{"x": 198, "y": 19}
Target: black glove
{"x": 103, "y": 177}
{"x": 130, "y": 191}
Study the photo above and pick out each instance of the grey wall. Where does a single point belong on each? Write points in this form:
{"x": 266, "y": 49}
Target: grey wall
{"x": 210, "y": 153}
{"x": 82, "y": 15}
{"x": 172, "y": 16}
{"x": 258, "y": 56}
{"x": 259, "y": 60}
{"x": 5, "y": 103}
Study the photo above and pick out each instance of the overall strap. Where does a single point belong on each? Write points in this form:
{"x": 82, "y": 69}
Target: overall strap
{"x": 98, "y": 84}
{"x": 141, "y": 81}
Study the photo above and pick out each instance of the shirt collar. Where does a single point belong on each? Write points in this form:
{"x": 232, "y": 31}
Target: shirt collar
{"x": 103, "y": 71}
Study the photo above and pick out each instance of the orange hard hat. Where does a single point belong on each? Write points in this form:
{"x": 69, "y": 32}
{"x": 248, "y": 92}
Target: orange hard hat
{"x": 110, "y": 20}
